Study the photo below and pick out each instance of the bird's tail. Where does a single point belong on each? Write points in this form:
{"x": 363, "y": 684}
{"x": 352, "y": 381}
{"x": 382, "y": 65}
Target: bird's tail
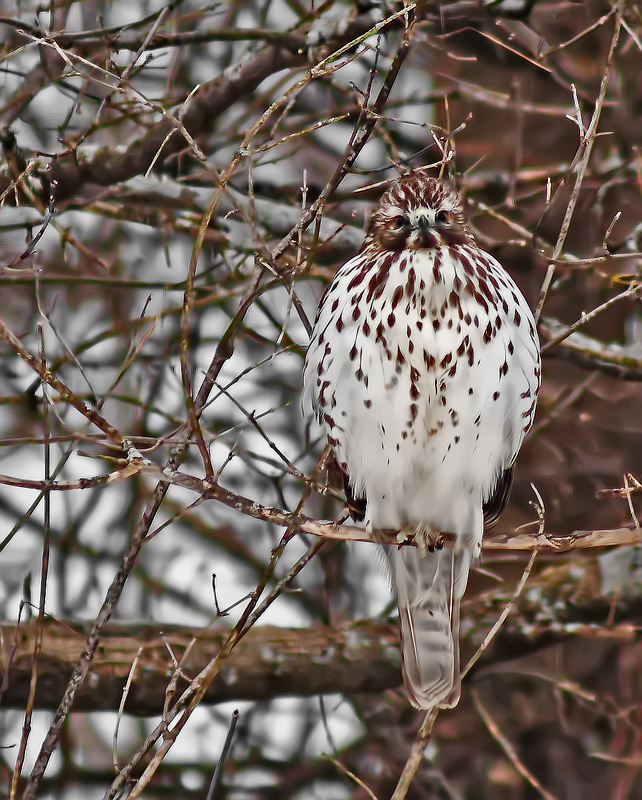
{"x": 429, "y": 589}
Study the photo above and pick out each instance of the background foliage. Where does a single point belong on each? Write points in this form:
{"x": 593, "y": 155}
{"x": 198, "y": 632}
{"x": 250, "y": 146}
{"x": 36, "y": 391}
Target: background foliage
{"x": 204, "y": 170}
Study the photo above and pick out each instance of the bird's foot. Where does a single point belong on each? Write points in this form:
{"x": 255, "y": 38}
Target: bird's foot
{"x": 428, "y": 539}
{"x": 406, "y": 534}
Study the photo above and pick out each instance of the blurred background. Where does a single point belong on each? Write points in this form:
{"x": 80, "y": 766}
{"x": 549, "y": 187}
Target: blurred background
{"x": 118, "y": 122}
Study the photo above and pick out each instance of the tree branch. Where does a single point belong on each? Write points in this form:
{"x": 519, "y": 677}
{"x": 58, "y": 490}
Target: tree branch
{"x": 552, "y": 542}
{"x": 356, "y": 657}
{"x": 619, "y": 361}
{"x": 110, "y": 165}
{"x": 269, "y": 661}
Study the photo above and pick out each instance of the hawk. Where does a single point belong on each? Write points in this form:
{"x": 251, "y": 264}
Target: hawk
{"x": 423, "y": 368}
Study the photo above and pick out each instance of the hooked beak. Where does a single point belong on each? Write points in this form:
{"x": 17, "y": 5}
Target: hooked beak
{"x": 424, "y": 226}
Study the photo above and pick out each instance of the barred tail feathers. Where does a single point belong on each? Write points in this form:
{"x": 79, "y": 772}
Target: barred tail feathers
{"x": 429, "y": 590}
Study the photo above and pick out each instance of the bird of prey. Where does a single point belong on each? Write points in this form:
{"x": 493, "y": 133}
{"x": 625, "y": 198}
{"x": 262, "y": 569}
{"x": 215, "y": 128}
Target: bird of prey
{"x": 423, "y": 368}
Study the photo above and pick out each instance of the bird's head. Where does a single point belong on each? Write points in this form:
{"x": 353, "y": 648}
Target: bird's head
{"x": 417, "y": 213}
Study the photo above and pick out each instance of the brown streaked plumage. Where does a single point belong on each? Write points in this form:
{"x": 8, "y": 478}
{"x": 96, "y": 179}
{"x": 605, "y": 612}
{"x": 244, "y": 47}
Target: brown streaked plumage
{"x": 423, "y": 368}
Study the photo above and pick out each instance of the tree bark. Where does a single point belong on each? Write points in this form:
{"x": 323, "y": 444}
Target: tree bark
{"x": 563, "y": 601}
{"x": 269, "y": 661}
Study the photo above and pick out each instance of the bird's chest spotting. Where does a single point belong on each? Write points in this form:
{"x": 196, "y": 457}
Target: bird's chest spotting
{"x": 430, "y": 322}
{"x": 426, "y": 353}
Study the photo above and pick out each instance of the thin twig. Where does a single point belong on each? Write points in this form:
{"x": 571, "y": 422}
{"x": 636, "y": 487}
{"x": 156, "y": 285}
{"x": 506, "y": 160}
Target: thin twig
{"x": 581, "y": 161}
{"x": 499, "y": 622}
{"x": 416, "y": 756}
{"x": 352, "y": 776}
{"x": 227, "y": 749}
{"x": 508, "y": 748}
{"x": 44, "y": 572}
{"x": 633, "y": 290}
{"x": 121, "y": 707}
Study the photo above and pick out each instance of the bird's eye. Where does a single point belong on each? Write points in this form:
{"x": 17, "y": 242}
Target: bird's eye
{"x": 442, "y": 217}
{"x": 401, "y": 222}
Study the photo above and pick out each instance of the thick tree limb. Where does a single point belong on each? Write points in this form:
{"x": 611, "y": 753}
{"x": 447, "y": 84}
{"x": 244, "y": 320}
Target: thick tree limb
{"x": 199, "y": 115}
{"x": 354, "y": 657}
{"x": 283, "y": 50}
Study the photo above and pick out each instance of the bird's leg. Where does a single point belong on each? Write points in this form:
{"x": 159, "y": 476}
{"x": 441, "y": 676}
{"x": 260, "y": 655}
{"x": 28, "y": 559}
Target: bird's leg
{"x": 428, "y": 539}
